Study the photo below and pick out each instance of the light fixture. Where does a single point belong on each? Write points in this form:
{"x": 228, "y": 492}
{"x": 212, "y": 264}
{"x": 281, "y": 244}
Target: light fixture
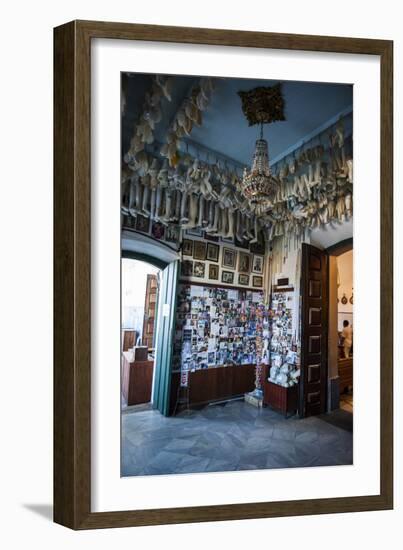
{"x": 261, "y": 105}
{"x": 258, "y": 185}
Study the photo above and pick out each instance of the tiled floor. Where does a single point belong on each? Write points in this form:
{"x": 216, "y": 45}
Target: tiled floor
{"x": 234, "y": 436}
{"x": 346, "y": 401}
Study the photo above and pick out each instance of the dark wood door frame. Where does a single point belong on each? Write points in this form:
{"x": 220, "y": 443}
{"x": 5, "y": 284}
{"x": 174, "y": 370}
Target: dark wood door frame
{"x": 340, "y": 248}
{"x": 314, "y": 331}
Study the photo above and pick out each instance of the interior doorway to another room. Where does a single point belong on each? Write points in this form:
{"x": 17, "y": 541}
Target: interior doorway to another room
{"x": 341, "y": 325}
{"x": 140, "y": 287}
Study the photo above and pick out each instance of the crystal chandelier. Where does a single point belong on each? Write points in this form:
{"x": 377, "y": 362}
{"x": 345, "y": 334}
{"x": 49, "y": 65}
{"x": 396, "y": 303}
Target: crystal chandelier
{"x": 258, "y": 185}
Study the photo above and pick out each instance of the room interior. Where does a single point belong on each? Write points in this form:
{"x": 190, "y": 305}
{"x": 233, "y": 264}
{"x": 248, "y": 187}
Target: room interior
{"x": 237, "y": 255}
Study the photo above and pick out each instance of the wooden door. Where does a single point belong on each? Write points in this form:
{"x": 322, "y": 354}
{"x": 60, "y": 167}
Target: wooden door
{"x": 165, "y": 338}
{"x": 314, "y": 328}
{"x": 150, "y": 304}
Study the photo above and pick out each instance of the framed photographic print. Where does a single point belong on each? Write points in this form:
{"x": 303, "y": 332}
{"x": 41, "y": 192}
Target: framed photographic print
{"x": 187, "y": 247}
{"x": 143, "y": 224}
{"x": 172, "y": 234}
{"x": 158, "y": 230}
{"x": 257, "y": 281}
{"x": 187, "y": 268}
{"x": 227, "y": 277}
{"x": 199, "y": 250}
{"x": 257, "y": 265}
{"x": 199, "y": 269}
{"x": 131, "y": 101}
{"x": 243, "y": 279}
{"x": 244, "y": 262}
{"x": 228, "y": 258}
{"x": 213, "y": 251}
{"x": 213, "y": 271}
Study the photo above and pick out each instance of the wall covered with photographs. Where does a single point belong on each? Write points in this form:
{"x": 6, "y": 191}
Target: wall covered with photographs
{"x": 219, "y": 326}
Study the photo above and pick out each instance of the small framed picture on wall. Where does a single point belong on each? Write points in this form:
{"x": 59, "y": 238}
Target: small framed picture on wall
{"x": 257, "y": 264}
{"x": 213, "y": 251}
{"x": 228, "y": 258}
{"x": 187, "y": 268}
{"x": 243, "y": 279}
{"x": 244, "y": 264}
{"x": 227, "y": 277}
{"x": 199, "y": 269}
{"x": 257, "y": 281}
{"x": 199, "y": 250}
{"x": 213, "y": 272}
{"x": 187, "y": 247}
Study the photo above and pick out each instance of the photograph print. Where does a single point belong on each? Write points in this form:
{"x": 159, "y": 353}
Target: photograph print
{"x": 257, "y": 265}
{"x": 228, "y": 258}
{"x": 244, "y": 263}
{"x": 213, "y": 251}
{"x": 241, "y": 169}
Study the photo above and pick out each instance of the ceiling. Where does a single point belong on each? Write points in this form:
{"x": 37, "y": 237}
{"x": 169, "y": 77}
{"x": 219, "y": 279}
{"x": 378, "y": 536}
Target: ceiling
{"x": 225, "y": 129}
{"x": 331, "y": 234}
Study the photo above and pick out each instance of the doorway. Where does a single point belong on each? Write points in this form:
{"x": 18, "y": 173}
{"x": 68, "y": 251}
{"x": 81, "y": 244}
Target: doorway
{"x": 341, "y": 326}
{"x": 140, "y": 287}
{"x": 327, "y": 298}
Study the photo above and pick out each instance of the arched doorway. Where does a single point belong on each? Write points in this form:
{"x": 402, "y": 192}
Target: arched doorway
{"x": 160, "y": 299}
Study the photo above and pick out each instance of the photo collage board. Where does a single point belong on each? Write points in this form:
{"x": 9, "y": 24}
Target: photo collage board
{"x": 284, "y": 348}
{"x": 218, "y": 327}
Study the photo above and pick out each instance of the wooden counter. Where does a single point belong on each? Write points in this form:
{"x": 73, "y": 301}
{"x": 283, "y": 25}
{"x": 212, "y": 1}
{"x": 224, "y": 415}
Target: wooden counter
{"x": 279, "y": 398}
{"x": 215, "y": 384}
{"x": 137, "y": 379}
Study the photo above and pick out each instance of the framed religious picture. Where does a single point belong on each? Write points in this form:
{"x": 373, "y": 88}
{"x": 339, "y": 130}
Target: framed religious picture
{"x": 142, "y": 224}
{"x": 213, "y": 271}
{"x": 213, "y": 251}
{"x": 158, "y": 230}
{"x": 257, "y": 280}
{"x": 172, "y": 234}
{"x": 257, "y": 264}
{"x": 132, "y": 100}
{"x": 187, "y": 268}
{"x": 199, "y": 250}
{"x": 227, "y": 277}
{"x": 199, "y": 269}
{"x": 228, "y": 259}
{"x": 244, "y": 262}
{"x": 187, "y": 247}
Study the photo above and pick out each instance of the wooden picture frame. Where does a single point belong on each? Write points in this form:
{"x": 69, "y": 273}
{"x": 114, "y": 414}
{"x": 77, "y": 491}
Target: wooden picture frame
{"x": 213, "y": 252}
{"x": 199, "y": 250}
{"x": 199, "y": 270}
{"x": 243, "y": 279}
{"x": 72, "y": 275}
{"x": 257, "y": 263}
{"x": 244, "y": 262}
{"x": 228, "y": 257}
{"x": 257, "y": 281}
{"x": 213, "y": 272}
{"x": 227, "y": 277}
{"x": 187, "y": 247}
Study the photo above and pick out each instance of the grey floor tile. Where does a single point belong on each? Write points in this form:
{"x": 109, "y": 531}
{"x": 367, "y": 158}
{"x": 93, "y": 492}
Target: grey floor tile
{"x": 236, "y": 436}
